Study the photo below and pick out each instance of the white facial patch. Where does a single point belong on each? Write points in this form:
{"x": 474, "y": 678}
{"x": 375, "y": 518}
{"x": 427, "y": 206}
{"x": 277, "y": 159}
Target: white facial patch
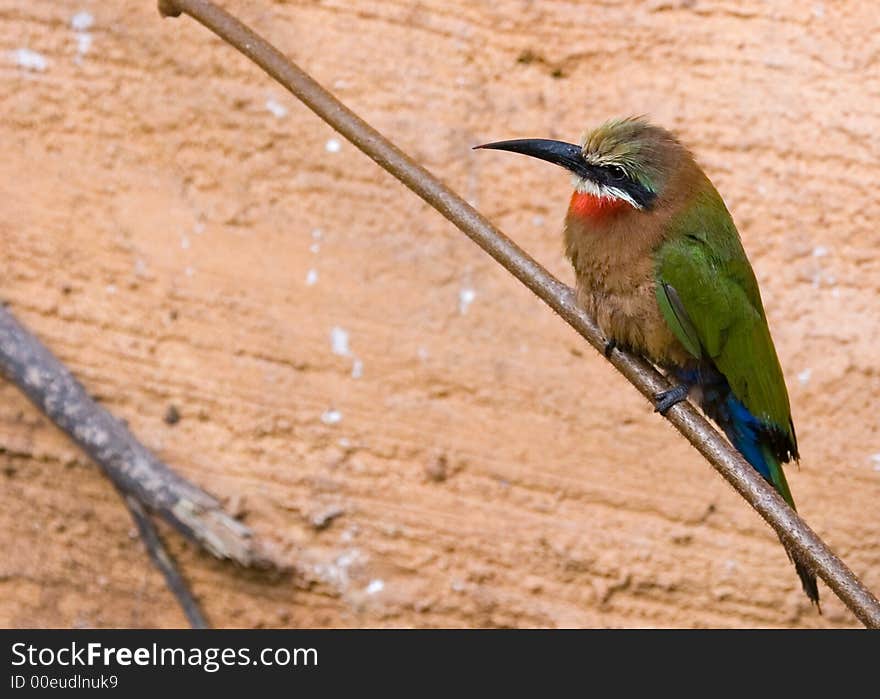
{"x": 585, "y": 186}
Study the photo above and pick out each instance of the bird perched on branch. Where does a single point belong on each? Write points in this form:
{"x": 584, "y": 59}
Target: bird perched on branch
{"x": 660, "y": 266}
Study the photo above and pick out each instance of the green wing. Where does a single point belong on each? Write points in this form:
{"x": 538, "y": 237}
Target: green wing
{"x": 708, "y": 295}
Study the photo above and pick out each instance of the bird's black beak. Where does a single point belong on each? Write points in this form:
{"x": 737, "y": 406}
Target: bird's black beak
{"x": 561, "y": 153}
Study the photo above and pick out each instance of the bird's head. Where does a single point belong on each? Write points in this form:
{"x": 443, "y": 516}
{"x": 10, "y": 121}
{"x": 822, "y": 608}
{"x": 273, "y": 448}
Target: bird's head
{"x": 623, "y": 162}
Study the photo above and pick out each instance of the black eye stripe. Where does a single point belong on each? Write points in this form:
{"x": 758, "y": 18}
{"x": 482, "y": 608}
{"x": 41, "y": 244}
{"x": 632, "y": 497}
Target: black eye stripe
{"x": 640, "y": 194}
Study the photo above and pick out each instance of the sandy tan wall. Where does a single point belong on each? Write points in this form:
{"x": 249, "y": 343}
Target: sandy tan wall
{"x": 181, "y": 232}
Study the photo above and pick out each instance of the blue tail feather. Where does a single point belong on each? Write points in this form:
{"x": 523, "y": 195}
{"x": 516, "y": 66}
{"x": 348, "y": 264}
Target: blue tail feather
{"x": 741, "y": 427}
{"x": 748, "y": 434}
{"x": 743, "y": 431}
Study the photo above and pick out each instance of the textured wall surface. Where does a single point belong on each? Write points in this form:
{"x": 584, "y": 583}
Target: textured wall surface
{"x": 182, "y": 232}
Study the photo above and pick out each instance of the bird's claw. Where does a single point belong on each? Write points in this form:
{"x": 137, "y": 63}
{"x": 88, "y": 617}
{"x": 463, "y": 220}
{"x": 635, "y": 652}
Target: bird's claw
{"x": 610, "y": 346}
{"x": 664, "y": 400}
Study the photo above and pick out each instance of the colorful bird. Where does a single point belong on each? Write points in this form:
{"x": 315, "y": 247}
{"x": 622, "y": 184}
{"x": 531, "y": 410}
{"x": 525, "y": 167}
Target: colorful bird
{"x": 660, "y": 266}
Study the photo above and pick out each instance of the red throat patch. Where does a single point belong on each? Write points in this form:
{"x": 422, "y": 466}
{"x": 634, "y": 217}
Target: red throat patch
{"x": 585, "y": 205}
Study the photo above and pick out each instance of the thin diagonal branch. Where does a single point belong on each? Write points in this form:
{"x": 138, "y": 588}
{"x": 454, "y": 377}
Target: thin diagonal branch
{"x": 132, "y": 468}
{"x": 165, "y": 563}
{"x": 805, "y": 544}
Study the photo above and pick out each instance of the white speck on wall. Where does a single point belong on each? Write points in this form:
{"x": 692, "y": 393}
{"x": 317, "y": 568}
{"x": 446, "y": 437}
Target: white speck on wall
{"x": 30, "y": 60}
{"x": 312, "y": 277}
{"x": 465, "y": 299}
{"x": 818, "y": 11}
{"x": 423, "y": 353}
{"x": 344, "y": 442}
{"x": 538, "y": 220}
{"x": 339, "y": 341}
{"x": 317, "y": 234}
{"x": 357, "y": 369}
{"x": 111, "y": 288}
{"x": 336, "y": 572}
{"x": 278, "y": 110}
{"x": 184, "y": 242}
{"x": 315, "y": 248}
{"x": 189, "y": 271}
{"x": 835, "y": 292}
{"x": 875, "y": 459}
{"x": 199, "y": 228}
{"x": 333, "y": 146}
{"x": 331, "y": 417}
{"x": 83, "y": 43}
{"x": 820, "y": 251}
{"x": 82, "y": 21}
{"x": 804, "y": 376}
{"x": 375, "y": 586}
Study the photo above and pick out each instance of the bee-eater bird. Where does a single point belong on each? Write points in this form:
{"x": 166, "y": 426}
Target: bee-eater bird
{"x": 660, "y": 266}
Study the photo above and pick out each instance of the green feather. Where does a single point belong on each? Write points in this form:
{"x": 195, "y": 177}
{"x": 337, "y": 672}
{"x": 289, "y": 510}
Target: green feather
{"x": 715, "y": 308}
{"x": 672, "y": 308}
{"x": 777, "y": 476}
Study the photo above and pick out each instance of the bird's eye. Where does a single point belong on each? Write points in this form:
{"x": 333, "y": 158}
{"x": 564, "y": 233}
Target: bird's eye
{"x": 617, "y": 173}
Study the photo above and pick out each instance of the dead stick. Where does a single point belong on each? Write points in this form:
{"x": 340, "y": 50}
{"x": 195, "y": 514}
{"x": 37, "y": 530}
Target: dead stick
{"x": 132, "y": 468}
{"x": 746, "y": 481}
{"x": 165, "y": 563}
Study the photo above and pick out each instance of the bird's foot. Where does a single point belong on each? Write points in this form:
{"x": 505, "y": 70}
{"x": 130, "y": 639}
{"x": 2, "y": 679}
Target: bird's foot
{"x": 664, "y": 400}
{"x": 610, "y": 346}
